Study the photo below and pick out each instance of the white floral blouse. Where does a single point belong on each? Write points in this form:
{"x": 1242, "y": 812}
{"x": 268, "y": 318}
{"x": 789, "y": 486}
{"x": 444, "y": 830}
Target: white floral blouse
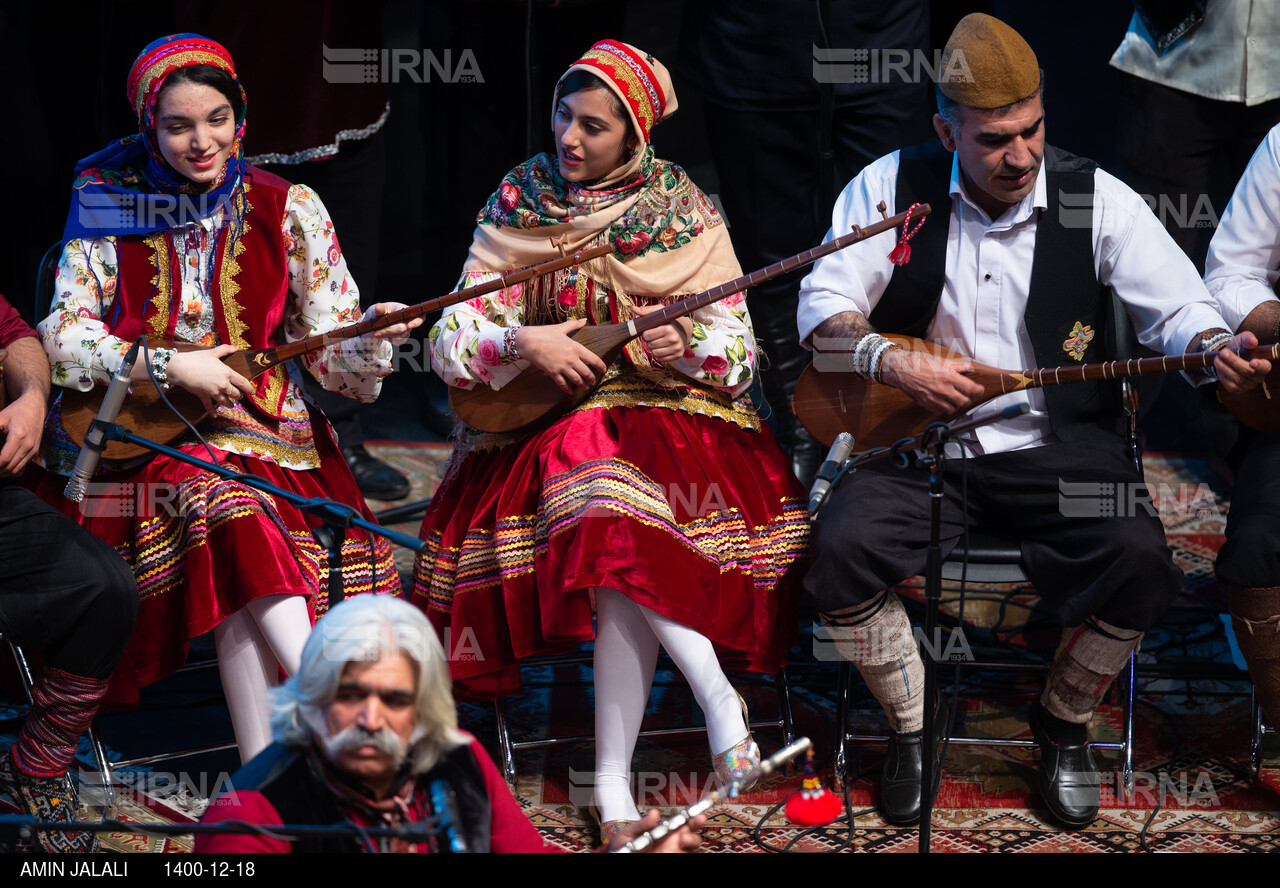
{"x": 467, "y": 342}
{"x": 83, "y": 352}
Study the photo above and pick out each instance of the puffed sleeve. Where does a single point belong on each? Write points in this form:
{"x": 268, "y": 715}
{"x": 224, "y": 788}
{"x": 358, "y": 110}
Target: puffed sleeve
{"x": 80, "y": 346}
{"x": 722, "y": 348}
{"x": 326, "y": 297}
{"x": 466, "y": 344}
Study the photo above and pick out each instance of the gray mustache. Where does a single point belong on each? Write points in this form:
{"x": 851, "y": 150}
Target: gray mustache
{"x": 355, "y": 737}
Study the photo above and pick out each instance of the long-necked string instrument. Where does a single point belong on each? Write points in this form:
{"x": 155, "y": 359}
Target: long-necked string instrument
{"x": 713, "y": 798}
{"x": 533, "y": 398}
{"x": 143, "y": 413}
{"x": 829, "y": 402}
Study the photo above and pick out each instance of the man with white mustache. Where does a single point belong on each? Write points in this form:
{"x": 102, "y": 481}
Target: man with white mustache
{"x": 366, "y": 733}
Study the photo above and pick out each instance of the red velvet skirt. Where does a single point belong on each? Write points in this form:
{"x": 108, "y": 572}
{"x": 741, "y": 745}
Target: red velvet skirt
{"x": 691, "y": 516}
{"x": 201, "y": 548}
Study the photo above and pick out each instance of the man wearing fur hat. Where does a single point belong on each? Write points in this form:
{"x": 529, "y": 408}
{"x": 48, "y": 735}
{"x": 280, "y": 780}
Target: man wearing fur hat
{"x": 1012, "y": 269}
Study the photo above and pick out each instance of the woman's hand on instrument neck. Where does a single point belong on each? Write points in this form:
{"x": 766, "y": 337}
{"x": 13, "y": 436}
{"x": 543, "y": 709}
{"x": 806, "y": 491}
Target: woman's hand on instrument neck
{"x": 202, "y": 373}
{"x": 396, "y": 334}
{"x": 551, "y": 349}
{"x": 936, "y": 384}
{"x": 668, "y": 342}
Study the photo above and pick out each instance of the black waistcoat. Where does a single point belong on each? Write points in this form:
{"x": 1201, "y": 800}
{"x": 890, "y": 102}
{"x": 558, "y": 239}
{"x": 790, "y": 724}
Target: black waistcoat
{"x": 1065, "y": 302}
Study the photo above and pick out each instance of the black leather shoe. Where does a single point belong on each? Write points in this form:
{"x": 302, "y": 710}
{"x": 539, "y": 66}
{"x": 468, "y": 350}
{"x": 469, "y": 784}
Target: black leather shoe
{"x": 900, "y": 781}
{"x": 376, "y": 479}
{"x": 1068, "y": 778}
{"x": 903, "y": 766}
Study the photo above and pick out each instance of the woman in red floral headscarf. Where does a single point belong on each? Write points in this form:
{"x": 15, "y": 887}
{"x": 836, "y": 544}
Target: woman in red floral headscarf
{"x": 661, "y": 496}
{"x": 172, "y": 236}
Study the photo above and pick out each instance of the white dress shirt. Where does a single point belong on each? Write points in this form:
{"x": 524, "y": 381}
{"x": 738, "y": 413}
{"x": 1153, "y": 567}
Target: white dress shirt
{"x": 988, "y": 276}
{"x": 1244, "y": 255}
{"x": 1233, "y": 55}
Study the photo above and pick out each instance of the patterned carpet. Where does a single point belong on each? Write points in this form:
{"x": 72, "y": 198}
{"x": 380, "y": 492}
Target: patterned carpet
{"x": 1193, "y": 789}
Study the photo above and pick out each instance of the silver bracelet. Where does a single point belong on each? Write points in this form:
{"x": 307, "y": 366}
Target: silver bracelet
{"x": 509, "y": 351}
{"x": 867, "y": 357}
{"x": 160, "y": 358}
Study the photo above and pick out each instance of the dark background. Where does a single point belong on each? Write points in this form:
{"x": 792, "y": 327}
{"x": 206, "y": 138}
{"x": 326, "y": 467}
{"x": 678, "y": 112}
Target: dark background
{"x": 448, "y": 144}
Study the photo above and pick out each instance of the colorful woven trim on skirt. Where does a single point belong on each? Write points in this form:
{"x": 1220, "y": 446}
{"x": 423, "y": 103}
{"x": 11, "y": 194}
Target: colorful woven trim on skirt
{"x": 201, "y": 506}
{"x": 611, "y": 488}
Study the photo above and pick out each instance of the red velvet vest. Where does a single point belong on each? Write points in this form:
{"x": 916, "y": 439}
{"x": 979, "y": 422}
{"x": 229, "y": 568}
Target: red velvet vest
{"x": 249, "y": 281}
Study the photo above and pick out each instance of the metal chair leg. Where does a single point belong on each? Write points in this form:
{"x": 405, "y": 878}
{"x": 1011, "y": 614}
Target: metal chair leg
{"x": 1130, "y": 683}
{"x": 504, "y": 743}
{"x": 842, "y": 727}
{"x": 782, "y": 687}
{"x": 1255, "y": 739}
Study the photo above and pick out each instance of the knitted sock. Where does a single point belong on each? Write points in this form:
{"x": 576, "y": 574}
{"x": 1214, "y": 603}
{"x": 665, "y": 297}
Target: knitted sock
{"x": 876, "y": 637}
{"x": 63, "y": 706}
{"x": 1255, "y": 618}
{"x": 1086, "y": 662}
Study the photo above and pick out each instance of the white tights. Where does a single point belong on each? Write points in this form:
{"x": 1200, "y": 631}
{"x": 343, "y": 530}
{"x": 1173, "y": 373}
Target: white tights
{"x": 626, "y": 655}
{"x": 253, "y": 644}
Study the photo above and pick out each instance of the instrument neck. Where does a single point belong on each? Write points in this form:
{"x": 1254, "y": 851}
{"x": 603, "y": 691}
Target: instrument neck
{"x": 678, "y": 310}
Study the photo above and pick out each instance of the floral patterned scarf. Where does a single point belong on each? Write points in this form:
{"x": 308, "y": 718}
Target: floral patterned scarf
{"x": 668, "y": 240}
{"x": 647, "y": 218}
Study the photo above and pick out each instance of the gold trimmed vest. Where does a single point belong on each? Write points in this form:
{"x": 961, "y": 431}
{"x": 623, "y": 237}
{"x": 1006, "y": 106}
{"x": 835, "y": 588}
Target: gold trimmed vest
{"x": 249, "y": 288}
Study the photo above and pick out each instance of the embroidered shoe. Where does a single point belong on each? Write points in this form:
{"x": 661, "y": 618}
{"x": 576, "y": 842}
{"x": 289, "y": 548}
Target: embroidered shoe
{"x": 736, "y": 762}
{"x": 50, "y": 799}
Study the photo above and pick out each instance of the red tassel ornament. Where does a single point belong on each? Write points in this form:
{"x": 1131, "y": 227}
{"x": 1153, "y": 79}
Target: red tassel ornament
{"x": 812, "y": 805}
{"x": 901, "y": 254}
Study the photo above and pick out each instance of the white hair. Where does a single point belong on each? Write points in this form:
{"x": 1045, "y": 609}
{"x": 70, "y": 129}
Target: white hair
{"x": 366, "y": 629}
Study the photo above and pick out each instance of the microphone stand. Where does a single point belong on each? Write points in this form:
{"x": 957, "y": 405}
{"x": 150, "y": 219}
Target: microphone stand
{"x": 334, "y": 517}
{"x": 931, "y": 446}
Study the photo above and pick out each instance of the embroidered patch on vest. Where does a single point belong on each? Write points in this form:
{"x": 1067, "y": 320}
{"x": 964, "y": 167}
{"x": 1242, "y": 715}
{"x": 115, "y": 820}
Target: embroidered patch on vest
{"x": 1078, "y": 341}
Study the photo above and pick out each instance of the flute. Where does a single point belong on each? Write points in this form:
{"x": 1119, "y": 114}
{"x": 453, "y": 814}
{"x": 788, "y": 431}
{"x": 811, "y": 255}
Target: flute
{"x": 684, "y": 815}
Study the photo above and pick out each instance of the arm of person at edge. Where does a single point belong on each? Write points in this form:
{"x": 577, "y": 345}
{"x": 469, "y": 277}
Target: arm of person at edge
{"x": 1244, "y": 256}
{"x": 26, "y": 382}
{"x": 467, "y": 343}
{"x": 83, "y": 352}
{"x": 838, "y": 296}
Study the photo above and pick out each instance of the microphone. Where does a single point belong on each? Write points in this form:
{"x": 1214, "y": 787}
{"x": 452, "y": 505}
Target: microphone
{"x": 836, "y": 456}
{"x": 95, "y": 440}
{"x": 444, "y": 801}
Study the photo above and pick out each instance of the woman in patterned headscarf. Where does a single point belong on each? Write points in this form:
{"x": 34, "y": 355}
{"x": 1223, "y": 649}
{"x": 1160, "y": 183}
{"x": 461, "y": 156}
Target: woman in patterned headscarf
{"x": 172, "y": 236}
{"x": 660, "y": 496}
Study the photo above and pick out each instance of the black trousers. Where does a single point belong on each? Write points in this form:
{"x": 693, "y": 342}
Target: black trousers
{"x": 63, "y": 591}
{"x": 1099, "y": 554}
{"x": 1251, "y": 555}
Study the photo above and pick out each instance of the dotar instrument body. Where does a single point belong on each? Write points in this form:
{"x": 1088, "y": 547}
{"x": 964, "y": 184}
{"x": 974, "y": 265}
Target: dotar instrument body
{"x": 533, "y": 399}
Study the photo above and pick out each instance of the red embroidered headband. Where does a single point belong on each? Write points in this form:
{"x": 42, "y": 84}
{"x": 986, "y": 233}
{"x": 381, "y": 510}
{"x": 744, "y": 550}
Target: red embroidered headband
{"x": 640, "y": 80}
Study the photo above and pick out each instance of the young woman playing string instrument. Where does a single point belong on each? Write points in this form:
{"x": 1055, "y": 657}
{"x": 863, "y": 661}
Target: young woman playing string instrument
{"x": 172, "y": 236}
{"x": 661, "y": 496}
